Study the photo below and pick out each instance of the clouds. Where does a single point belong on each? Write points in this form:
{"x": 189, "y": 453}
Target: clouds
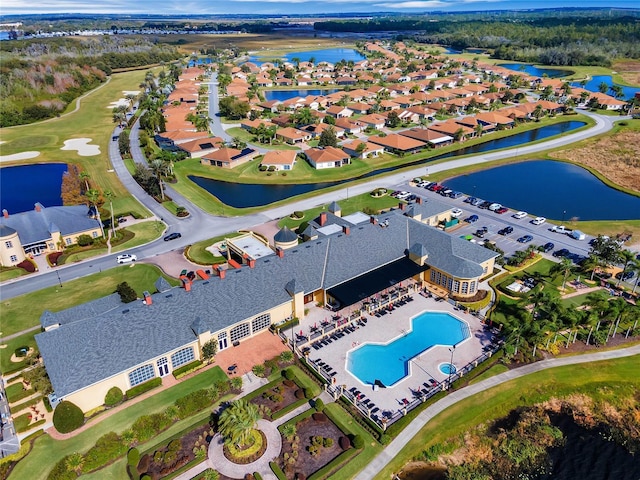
{"x": 283, "y": 7}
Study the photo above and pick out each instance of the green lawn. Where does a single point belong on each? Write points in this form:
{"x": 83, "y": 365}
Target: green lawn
{"x": 494, "y": 370}
{"x": 26, "y": 340}
{"x": 144, "y": 232}
{"x": 46, "y": 451}
{"x": 16, "y": 392}
{"x": 93, "y": 120}
{"x": 7, "y": 273}
{"x": 249, "y": 137}
{"x": 615, "y": 377}
{"x": 197, "y": 253}
{"x": 24, "y": 311}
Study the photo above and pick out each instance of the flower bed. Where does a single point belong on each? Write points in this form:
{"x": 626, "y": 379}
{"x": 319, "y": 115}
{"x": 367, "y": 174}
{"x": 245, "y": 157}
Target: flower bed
{"x": 250, "y": 453}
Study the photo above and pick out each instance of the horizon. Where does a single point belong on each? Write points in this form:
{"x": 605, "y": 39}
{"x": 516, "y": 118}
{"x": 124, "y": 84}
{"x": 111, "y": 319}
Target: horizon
{"x": 293, "y": 7}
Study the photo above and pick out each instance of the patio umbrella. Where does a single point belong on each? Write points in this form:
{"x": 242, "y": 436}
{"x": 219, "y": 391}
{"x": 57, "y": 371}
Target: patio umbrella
{"x": 301, "y": 333}
{"x": 315, "y": 325}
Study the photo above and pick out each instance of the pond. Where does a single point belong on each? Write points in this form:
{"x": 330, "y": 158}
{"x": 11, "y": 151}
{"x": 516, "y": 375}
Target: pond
{"x": 245, "y": 195}
{"x": 283, "y": 95}
{"x": 593, "y": 85}
{"x": 330, "y": 55}
{"x": 536, "y": 71}
{"x": 549, "y": 189}
{"x": 24, "y": 185}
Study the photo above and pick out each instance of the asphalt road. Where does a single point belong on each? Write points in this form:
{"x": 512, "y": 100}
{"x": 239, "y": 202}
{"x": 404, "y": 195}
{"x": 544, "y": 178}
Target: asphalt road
{"x": 200, "y": 226}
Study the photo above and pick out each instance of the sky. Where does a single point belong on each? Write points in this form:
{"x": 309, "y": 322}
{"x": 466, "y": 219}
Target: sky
{"x": 284, "y": 7}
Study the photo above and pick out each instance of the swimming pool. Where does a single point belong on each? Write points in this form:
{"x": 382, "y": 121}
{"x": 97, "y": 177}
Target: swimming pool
{"x": 389, "y": 363}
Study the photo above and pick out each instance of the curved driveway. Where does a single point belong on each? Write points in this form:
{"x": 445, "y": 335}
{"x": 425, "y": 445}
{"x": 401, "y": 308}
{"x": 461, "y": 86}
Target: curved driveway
{"x": 394, "y": 448}
{"x": 200, "y": 225}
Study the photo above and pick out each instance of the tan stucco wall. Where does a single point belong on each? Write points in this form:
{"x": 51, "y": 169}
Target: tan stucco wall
{"x": 15, "y": 249}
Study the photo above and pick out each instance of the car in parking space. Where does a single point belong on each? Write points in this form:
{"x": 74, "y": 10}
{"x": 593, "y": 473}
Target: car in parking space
{"x": 456, "y": 212}
{"x": 411, "y": 198}
{"x": 480, "y": 233}
{"x": 624, "y": 276}
{"x": 484, "y": 205}
{"x": 477, "y": 202}
{"x": 471, "y": 219}
{"x": 455, "y": 195}
{"x": 547, "y": 247}
{"x": 470, "y": 200}
{"x": 494, "y": 206}
{"x": 426, "y": 185}
{"x": 525, "y": 239}
{"x": 172, "y": 236}
{"x": 519, "y": 215}
{"x": 445, "y": 192}
{"x": 563, "y": 252}
{"x": 538, "y": 220}
{"x": 402, "y": 195}
{"x": 502, "y": 210}
{"x": 506, "y": 230}
{"x": 126, "y": 258}
{"x": 433, "y": 187}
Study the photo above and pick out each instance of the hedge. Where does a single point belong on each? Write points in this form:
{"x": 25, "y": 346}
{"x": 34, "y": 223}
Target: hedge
{"x": 193, "y": 402}
{"x": 275, "y": 468}
{"x": 67, "y": 417}
{"x": 61, "y": 472}
{"x": 113, "y": 397}
{"x": 289, "y": 408}
{"x": 334, "y": 465}
{"x": 133, "y": 457}
{"x": 143, "y": 388}
{"x": 107, "y": 449}
{"x": 189, "y": 367}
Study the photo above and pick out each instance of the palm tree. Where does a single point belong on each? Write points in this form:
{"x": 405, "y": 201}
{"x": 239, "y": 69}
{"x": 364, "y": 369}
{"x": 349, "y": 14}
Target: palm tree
{"x": 538, "y": 113}
{"x": 93, "y": 195}
{"x": 131, "y": 97}
{"x": 565, "y": 267}
{"x": 458, "y": 135}
{"x": 626, "y": 257}
{"x": 157, "y": 165}
{"x": 591, "y": 264}
{"x": 617, "y": 91}
{"x": 85, "y": 177}
{"x": 478, "y": 129}
{"x": 110, "y": 196}
{"x": 603, "y": 87}
{"x": 119, "y": 117}
{"x": 237, "y": 421}
{"x": 634, "y": 267}
{"x": 75, "y": 462}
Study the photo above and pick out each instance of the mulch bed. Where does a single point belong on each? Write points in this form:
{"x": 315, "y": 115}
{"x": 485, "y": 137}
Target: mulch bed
{"x": 286, "y": 392}
{"x": 306, "y": 464}
{"x": 157, "y": 470}
{"x": 249, "y": 459}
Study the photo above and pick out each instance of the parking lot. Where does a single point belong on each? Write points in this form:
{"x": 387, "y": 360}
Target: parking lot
{"x": 495, "y": 222}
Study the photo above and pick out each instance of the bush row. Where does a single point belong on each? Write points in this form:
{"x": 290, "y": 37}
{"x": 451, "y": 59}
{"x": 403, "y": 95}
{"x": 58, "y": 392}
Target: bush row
{"x": 188, "y": 368}
{"x": 143, "y": 387}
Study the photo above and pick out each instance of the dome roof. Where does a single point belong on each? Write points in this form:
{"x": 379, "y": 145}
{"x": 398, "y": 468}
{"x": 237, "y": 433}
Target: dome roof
{"x": 6, "y": 231}
{"x": 285, "y": 236}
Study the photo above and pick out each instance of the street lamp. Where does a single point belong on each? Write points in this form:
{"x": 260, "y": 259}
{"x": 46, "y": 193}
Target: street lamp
{"x": 452, "y": 350}
{"x": 564, "y": 212}
{"x": 59, "y": 280}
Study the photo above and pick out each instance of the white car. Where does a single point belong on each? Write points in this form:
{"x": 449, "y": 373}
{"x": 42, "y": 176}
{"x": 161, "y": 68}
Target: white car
{"x": 456, "y": 212}
{"x": 126, "y": 258}
{"x": 494, "y": 206}
{"x": 519, "y": 215}
{"x": 402, "y": 195}
{"x": 538, "y": 220}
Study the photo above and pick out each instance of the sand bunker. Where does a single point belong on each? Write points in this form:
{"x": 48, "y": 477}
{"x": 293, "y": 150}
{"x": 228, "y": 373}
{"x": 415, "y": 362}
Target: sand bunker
{"x": 18, "y": 156}
{"x": 123, "y": 102}
{"x": 82, "y": 146}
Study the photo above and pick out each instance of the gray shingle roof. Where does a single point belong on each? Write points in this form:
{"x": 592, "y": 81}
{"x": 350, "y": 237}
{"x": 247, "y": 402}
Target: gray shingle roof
{"x": 33, "y": 226}
{"x": 6, "y": 231}
{"x": 428, "y": 208}
{"x": 103, "y": 338}
{"x": 285, "y": 235}
{"x": 162, "y": 285}
{"x": 334, "y": 207}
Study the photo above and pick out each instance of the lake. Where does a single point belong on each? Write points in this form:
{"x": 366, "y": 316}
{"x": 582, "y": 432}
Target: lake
{"x": 330, "y": 55}
{"x": 283, "y": 95}
{"x": 547, "y": 188}
{"x": 593, "y": 85}
{"x": 24, "y": 185}
{"x": 244, "y": 195}
{"x": 536, "y": 71}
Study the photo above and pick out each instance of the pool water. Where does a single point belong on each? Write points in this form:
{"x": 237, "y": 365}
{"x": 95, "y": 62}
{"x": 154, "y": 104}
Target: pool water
{"x": 389, "y": 363}
{"x": 447, "y": 368}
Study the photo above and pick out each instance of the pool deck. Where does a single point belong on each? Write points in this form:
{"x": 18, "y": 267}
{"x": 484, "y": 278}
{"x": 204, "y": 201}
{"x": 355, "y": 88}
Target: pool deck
{"x": 423, "y": 367}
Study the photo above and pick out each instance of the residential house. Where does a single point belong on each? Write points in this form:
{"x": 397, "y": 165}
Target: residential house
{"x": 327, "y": 157}
{"x": 229, "y": 157}
{"x": 280, "y": 159}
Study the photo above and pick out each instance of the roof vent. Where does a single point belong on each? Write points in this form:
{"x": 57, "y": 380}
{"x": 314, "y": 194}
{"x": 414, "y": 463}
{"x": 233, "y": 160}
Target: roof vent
{"x": 266, "y": 261}
{"x": 169, "y": 296}
{"x": 126, "y": 310}
{"x": 206, "y": 283}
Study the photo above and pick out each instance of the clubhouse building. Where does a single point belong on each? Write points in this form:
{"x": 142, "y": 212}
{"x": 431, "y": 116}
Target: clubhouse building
{"x": 93, "y": 347}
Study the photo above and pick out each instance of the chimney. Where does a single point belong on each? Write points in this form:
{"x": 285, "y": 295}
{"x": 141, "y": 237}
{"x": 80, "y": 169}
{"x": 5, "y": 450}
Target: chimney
{"x": 147, "y": 298}
{"x": 5, "y": 214}
{"x": 323, "y": 218}
{"x": 187, "y": 286}
{"x": 38, "y": 207}
{"x": 346, "y": 230}
{"x": 401, "y": 205}
{"x": 419, "y": 200}
{"x": 373, "y": 220}
{"x": 220, "y": 270}
{"x": 252, "y": 263}
{"x": 280, "y": 252}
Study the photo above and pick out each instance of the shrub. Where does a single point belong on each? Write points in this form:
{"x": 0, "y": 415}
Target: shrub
{"x": 143, "y": 387}
{"x": 327, "y": 442}
{"x": 258, "y": 370}
{"x": 108, "y": 448}
{"x": 308, "y": 393}
{"x": 286, "y": 356}
{"x": 210, "y": 349}
{"x": 289, "y": 383}
{"x": 319, "y": 405}
{"x": 298, "y": 214}
{"x": 344, "y": 443}
{"x": 357, "y": 442}
{"x": 113, "y": 397}
{"x": 84, "y": 240}
{"x": 127, "y": 294}
{"x": 319, "y": 417}
{"x": 187, "y": 368}
{"x": 288, "y": 374}
{"x": 262, "y": 168}
{"x": 27, "y": 265}
{"x": 67, "y": 417}
{"x": 133, "y": 457}
{"x": 146, "y": 426}
{"x": 299, "y": 394}
{"x": 384, "y": 439}
{"x": 193, "y": 402}
{"x": 61, "y": 472}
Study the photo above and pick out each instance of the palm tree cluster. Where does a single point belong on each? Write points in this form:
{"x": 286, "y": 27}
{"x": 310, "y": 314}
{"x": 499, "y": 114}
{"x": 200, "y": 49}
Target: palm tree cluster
{"x": 237, "y": 421}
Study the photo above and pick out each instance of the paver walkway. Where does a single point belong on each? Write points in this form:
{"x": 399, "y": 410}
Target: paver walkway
{"x": 394, "y": 448}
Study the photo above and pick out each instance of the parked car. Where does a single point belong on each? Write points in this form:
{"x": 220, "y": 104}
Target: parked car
{"x": 172, "y": 236}
{"x": 538, "y": 220}
{"x": 563, "y": 252}
{"x": 519, "y": 215}
{"x": 470, "y": 200}
{"x": 547, "y": 247}
{"x": 604, "y": 275}
{"x": 559, "y": 229}
{"x": 456, "y": 194}
{"x": 456, "y": 212}
{"x": 525, "y": 239}
{"x": 402, "y": 195}
{"x": 477, "y": 202}
{"x": 445, "y": 193}
{"x": 502, "y": 210}
{"x": 494, "y": 206}
{"x": 577, "y": 235}
{"x": 126, "y": 258}
{"x": 484, "y": 205}
{"x": 624, "y": 275}
{"x": 411, "y": 198}
{"x": 471, "y": 219}
{"x": 506, "y": 230}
